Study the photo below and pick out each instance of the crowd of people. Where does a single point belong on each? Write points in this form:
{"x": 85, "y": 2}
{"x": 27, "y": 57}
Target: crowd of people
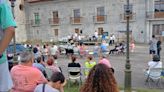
{"x": 30, "y": 75}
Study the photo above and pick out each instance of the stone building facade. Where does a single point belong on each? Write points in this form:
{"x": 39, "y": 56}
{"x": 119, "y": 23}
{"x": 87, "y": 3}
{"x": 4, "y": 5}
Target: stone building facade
{"x": 53, "y": 19}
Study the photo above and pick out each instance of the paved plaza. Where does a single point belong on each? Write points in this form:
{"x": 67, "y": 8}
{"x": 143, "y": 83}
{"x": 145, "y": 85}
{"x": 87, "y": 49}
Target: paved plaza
{"x": 138, "y": 59}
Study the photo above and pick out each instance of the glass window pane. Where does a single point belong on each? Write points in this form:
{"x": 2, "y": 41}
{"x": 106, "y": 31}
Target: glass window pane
{"x": 76, "y": 13}
{"x": 100, "y": 11}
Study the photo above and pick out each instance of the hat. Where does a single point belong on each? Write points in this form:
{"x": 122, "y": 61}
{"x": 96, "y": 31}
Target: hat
{"x": 156, "y": 58}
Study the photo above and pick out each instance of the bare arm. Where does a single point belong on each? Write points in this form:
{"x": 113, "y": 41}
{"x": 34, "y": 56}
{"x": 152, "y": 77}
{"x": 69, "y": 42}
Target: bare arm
{"x": 8, "y": 35}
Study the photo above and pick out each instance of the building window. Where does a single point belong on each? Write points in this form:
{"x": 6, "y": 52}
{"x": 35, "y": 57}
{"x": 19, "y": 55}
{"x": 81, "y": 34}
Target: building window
{"x": 55, "y": 14}
{"x": 130, "y": 8}
{"x": 157, "y": 29}
{"x": 37, "y": 31}
{"x": 56, "y": 32}
{"x": 159, "y": 6}
{"x": 36, "y": 16}
{"x": 100, "y": 11}
{"x": 76, "y": 13}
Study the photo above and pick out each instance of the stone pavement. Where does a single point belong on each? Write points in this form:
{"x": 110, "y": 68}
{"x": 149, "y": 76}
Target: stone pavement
{"x": 138, "y": 58}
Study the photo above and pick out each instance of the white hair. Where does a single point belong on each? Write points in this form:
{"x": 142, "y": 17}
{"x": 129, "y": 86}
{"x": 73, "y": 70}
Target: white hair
{"x": 25, "y": 57}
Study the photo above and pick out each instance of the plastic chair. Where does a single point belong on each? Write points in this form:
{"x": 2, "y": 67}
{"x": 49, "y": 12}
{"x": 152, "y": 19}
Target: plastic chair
{"x": 154, "y": 76}
{"x": 74, "y": 77}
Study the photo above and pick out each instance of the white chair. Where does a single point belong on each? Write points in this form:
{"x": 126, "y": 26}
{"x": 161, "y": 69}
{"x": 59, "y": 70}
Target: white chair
{"x": 71, "y": 76}
{"x": 154, "y": 76}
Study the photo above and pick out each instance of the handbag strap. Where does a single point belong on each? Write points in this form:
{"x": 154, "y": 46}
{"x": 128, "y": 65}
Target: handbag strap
{"x": 43, "y": 87}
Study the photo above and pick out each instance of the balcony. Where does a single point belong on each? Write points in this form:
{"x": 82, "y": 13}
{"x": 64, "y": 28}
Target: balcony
{"x": 35, "y": 23}
{"x": 54, "y": 21}
{"x": 132, "y": 17}
{"x": 155, "y": 15}
{"x": 76, "y": 20}
{"x": 100, "y": 19}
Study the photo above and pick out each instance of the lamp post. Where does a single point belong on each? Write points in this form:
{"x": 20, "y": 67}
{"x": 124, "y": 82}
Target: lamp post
{"x": 127, "y": 81}
{"x": 14, "y": 39}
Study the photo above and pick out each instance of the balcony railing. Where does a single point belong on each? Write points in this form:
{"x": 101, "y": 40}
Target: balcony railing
{"x": 76, "y": 20}
{"x": 132, "y": 17}
{"x": 155, "y": 15}
{"x": 54, "y": 21}
{"x": 35, "y": 23}
{"x": 100, "y": 19}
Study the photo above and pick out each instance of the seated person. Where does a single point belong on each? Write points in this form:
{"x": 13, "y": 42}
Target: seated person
{"x": 96, "y": 49}
{"x": 114, "y": 50}
{"x": 155, "y": 63}
{"x": 104, "y": 60}
{"x": 39, "y": 65}
{"x": 89, "y": 63}
{"x": 104, "y": 46}
{"x": 52, "y": 66}
{"x": 25, "y": 77}
{"x": 82, "y": 49}
{"x": 73, "y": 64}
{"x": 56, "y": 83}
{"x": 100, "y": 79}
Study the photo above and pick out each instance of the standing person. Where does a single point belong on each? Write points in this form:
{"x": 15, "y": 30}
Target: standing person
{"x": 7, "y": 32}
{"x": 100, "y": 79}
{"x": 132, "y": 46}
{"x": 110, "y": 40}
{"x": 113, "y": 39}
{"x": 159, "y": 48}
{"x": 95, "y": 35}
{"x": 45, "y": 53}
{"x": 54, "y": 50}
{"x": 153, "y": 46}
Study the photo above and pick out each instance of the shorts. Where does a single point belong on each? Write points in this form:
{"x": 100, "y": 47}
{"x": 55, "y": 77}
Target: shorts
{"x": 152, "y": 52}
{"x": 5, "y": 78}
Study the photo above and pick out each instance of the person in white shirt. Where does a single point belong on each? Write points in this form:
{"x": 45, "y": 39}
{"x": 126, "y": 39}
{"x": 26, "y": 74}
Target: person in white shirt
{"x": 54, "y": 50}
{"x": 155, "y": 63}
{"x": 113, "y": 39}
{"x": 95, "y": 35}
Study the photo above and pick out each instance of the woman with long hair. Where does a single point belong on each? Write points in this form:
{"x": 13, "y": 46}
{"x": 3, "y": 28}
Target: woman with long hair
{"x": 100, "y": 79}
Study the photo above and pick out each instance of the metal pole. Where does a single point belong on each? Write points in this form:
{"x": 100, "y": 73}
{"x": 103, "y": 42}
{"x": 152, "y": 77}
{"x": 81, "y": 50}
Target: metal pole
{"x": 14, "y": 39}
{"x": 127, "y": 80}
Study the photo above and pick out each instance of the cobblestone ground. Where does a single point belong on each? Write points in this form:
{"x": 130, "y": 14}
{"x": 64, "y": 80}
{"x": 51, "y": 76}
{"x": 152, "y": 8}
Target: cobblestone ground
{"x": 138, "y": 58}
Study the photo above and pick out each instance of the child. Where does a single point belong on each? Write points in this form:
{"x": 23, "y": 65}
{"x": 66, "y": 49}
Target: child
{"x": 132, "y": 46}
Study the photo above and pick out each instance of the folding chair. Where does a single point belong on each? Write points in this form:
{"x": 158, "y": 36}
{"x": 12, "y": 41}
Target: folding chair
{"x": 153, "y": 76}
{"x": 74, "y": 73}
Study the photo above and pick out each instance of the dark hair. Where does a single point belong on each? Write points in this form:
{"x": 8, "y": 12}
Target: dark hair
{"x": 153, "y": 36}
{"x": 35, "y": 50}
{"x": 90, "y": 57}
{"x": 73, "y": 58}
{"x": 38, "y": 59}
{"x": 55, "y": 56}
{"x": 100, "y": 79}
{"x": 57, "y": 76}
{"x": 156, "y": 58}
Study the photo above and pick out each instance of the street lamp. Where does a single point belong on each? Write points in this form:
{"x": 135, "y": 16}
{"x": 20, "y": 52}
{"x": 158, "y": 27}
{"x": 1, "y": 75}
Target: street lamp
{"x": 14, "y": 39}
{"x": 127, "y": 81}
